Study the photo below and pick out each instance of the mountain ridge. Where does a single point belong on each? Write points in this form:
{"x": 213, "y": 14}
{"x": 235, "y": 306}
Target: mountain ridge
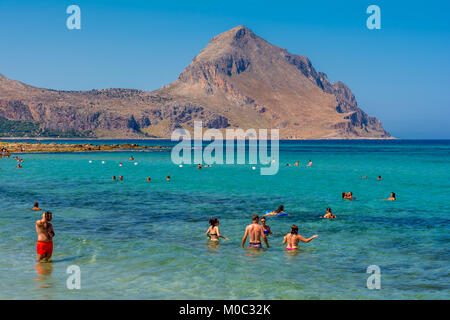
{"x": 238, "y": 80}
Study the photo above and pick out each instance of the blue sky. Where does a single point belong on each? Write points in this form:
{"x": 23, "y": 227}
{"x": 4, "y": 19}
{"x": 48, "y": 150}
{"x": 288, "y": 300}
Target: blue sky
{"x": 400, "y": 74}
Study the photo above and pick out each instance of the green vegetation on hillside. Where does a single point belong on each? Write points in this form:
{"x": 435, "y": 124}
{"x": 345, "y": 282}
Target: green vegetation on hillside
{"x": 18, "y": 128}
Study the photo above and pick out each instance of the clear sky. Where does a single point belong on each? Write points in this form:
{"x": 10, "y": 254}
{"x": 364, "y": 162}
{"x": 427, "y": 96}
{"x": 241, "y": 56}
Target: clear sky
{"x": 400, "y": 74}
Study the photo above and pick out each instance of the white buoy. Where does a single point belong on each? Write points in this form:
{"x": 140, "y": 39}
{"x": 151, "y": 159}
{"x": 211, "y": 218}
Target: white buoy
{"x": 253, "y": 168}
{"x": 103, "y": 162}
{"x": 181, "y": 166}
{"x": 135, "y": 163}
{"x": 90, "y": 161}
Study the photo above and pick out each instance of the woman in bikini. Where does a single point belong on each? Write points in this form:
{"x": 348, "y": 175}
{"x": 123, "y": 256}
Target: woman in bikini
{"x": 266, "y": 228}
{"x": 213, "y": 230}
{"x": 293, "y": 238}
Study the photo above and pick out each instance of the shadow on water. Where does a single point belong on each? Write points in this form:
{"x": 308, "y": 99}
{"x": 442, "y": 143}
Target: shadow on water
{"x": 67, "y": 259}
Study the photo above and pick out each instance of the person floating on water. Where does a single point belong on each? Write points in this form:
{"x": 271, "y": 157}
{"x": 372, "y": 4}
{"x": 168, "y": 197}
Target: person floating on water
{"x": 392, "y": 197}
{"x": 168, "y": 178}
{"x": 19, "y": 165}
{"x": 36, "y": 207}
{"x": 297, "y": 163}
{"x": 293, "y": 238}
{"x": 379, "y": 178}
{"x": 310, "y": 163}
{"x": 255, "y": 231}
{"x": 329, "y": 215}
{"x": 131, "y": 158}
{"x": 120, "y": 178}
{"x": 213, "y": 231}
{"x": 274, "y": 213}
{"x": 120, "y": 164}
{"x": 149, "y": 179}
{"x": 266, "y": 228}
{"x": 45, "y": 233}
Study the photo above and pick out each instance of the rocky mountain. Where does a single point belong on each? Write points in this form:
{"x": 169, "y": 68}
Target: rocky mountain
{"x": 238, "y": 81}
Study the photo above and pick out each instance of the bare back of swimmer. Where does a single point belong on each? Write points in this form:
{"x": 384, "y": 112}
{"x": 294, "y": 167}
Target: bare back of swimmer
{"x": 255, "y": 231}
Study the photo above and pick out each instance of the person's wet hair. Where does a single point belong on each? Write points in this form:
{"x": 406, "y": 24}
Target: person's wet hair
{"x": 213, "y": 222}
{"x": 294, "y": 229}
{"x": 280, "y": 209}
{"x": 343, "y": 195}
{"x": 47, "y": 214}
{"x": 255, "y": 217}
{"x": 36, "y": 204}
{"x": 393, "y": 194}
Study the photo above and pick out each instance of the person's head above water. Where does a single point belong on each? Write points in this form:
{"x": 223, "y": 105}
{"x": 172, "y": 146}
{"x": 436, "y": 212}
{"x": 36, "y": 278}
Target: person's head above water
{"x": 36, "y": 205}
{"x": 280, "y": 209}
{"x": 263, "y": 220}
{"x": 47, "y": 215}
{"x": 255, "y": 218}
{"x": 294, "y": 229}
{"x": 213, "y": 222}
{"x": 393, "y": 195}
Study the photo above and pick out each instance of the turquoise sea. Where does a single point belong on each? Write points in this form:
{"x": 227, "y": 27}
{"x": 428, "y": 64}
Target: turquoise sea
{"x": 138, "y": 240}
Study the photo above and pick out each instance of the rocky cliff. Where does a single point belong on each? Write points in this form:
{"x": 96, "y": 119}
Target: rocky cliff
{"x": 239, "y": 81}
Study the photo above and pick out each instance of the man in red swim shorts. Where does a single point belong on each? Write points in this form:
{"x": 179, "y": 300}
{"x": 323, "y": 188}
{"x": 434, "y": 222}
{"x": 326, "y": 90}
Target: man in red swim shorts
{"x": 45, "y": 232}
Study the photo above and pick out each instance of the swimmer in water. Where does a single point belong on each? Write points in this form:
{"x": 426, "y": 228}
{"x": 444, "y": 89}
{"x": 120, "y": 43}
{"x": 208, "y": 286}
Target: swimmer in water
{"x": 168, "y": 178}
{"x": 293, "y": 238}
{"x": 274, "y": 213}
{"x": 310, "y": 163}
{"x": 329, "y": 215}
{"x": 255, "y": 231}
{"x": 36, "y": 207}
{"x": 392, "y": 197}
{"x": 213, "y": 230}
{"x": 266, "y": 228}
{"x": 131, "y": 158}
{"x": 120, "y": 164}
{"x": 149, "y": 179}
{"x": 288, "y": 164}
{"x": 114, "y": 178}
{"x": 349, "y": 196}
{"x": 199, "y": 166}
{"x": 19, "y": 165}
{"x": 364, "y": 177}
{"x": 379, "y": 178}
{"x": 45, "y": 233}
{"x": 120, "y": 178}
{"x": 297, "y": 163}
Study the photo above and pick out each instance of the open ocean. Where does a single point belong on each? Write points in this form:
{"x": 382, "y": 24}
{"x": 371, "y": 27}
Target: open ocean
{"x": 138, "y": 240}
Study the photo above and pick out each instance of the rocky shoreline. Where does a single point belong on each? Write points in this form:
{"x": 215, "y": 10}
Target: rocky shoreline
{"x": 26, "y": 147}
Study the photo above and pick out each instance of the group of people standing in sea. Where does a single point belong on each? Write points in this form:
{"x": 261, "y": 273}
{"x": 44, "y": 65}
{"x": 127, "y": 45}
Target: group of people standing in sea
{"x": 256, "y": 233}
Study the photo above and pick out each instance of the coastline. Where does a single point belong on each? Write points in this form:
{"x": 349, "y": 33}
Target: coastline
{"x": 25, "y": 147}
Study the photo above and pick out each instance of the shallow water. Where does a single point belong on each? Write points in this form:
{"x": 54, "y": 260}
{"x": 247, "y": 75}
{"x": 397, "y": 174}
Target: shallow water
{"x": 138, "y": 240}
